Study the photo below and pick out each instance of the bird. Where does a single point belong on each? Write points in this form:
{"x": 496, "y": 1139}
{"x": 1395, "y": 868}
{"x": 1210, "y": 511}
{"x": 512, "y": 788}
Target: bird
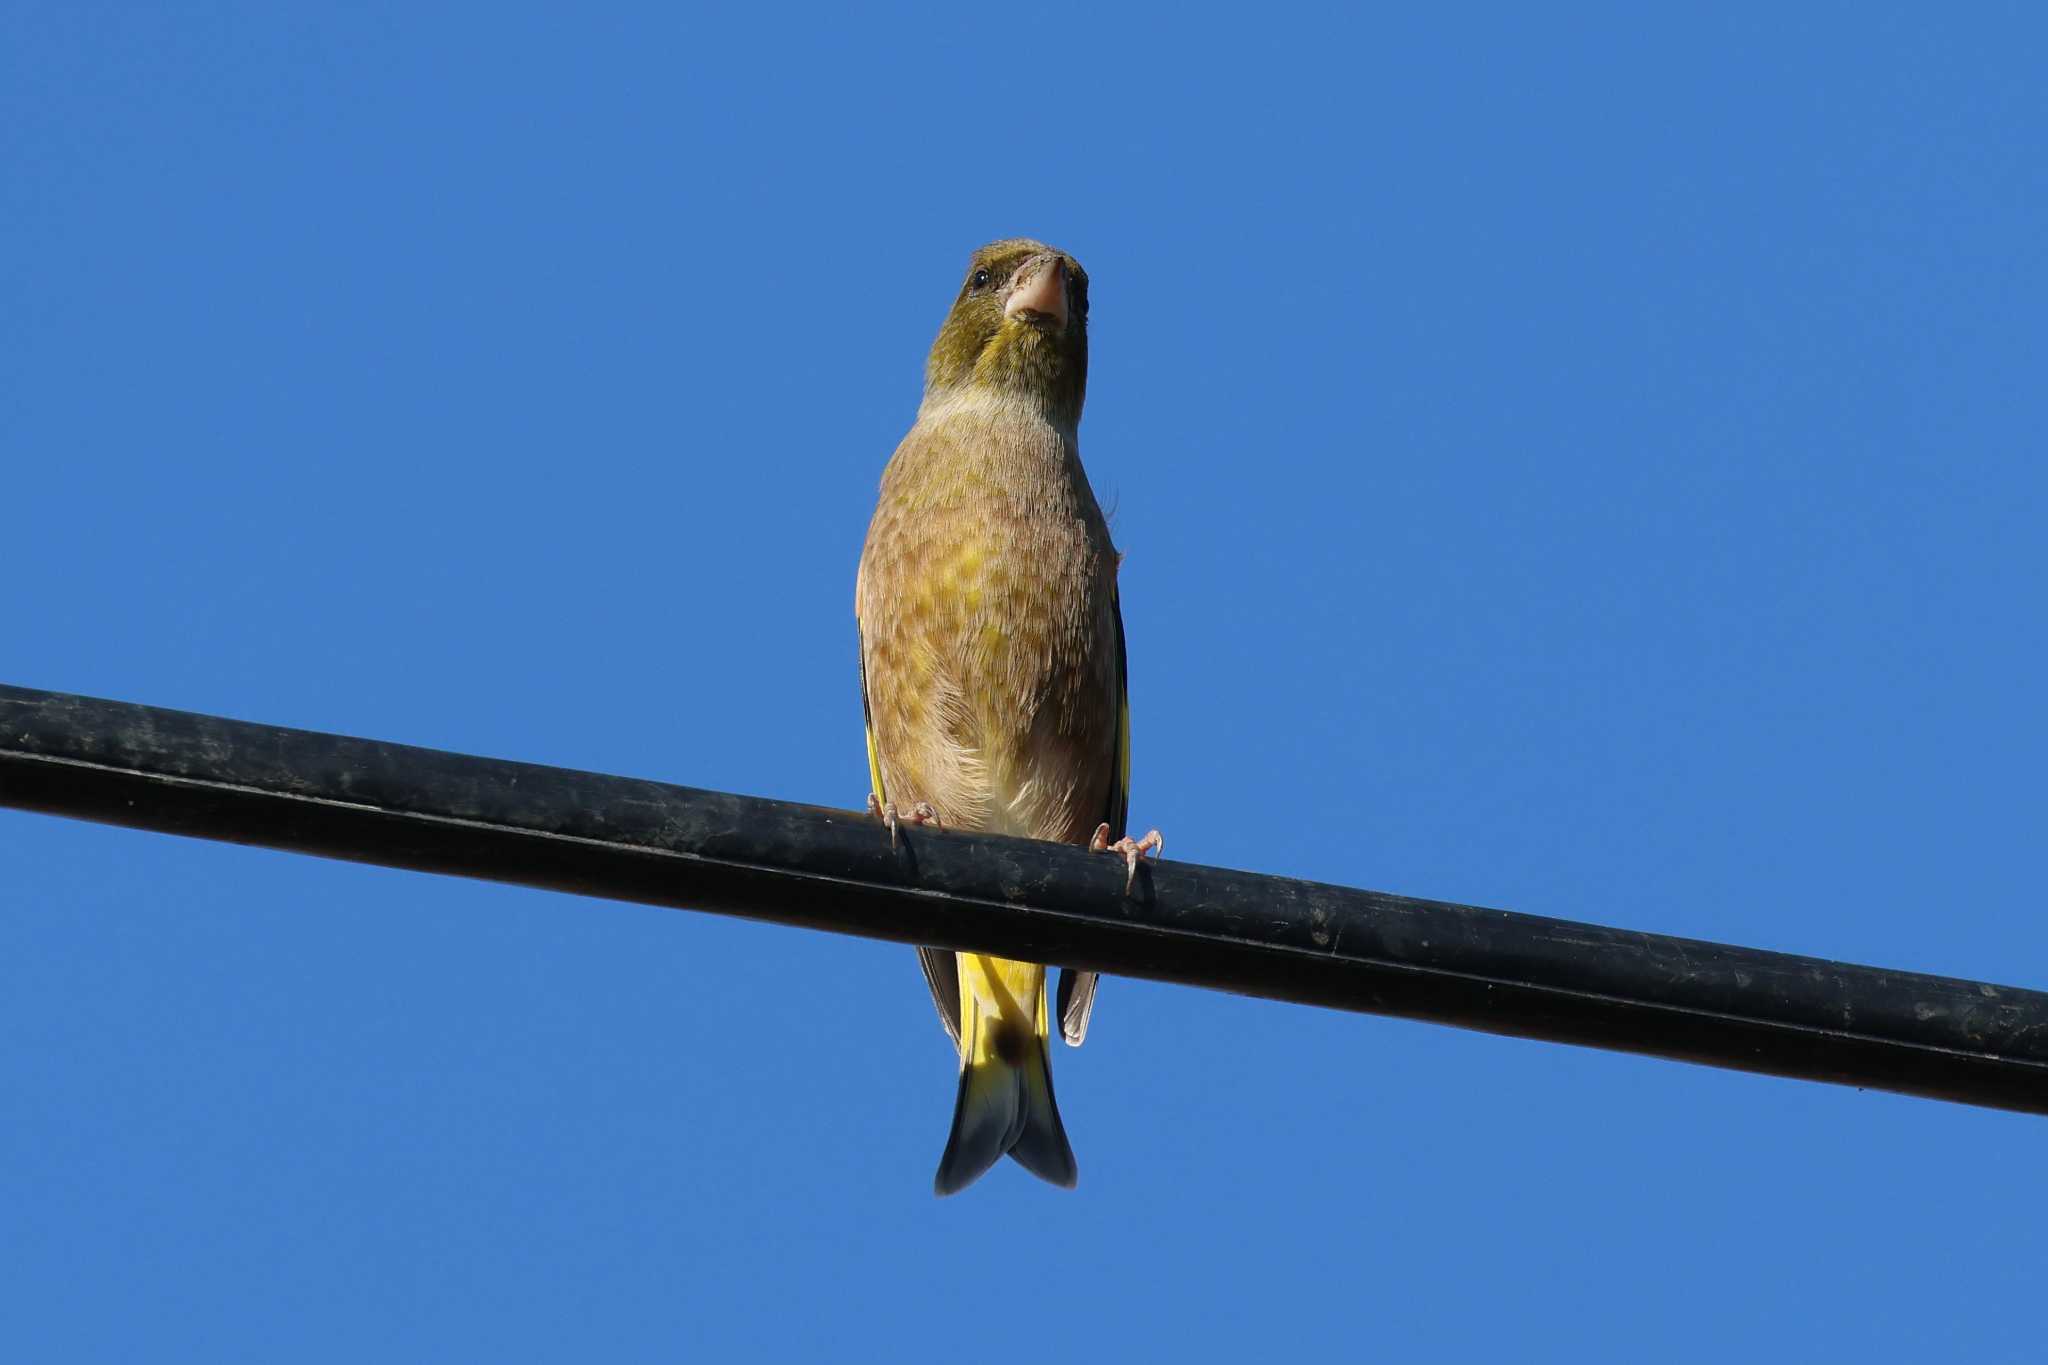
{"x": 993, "y": 670}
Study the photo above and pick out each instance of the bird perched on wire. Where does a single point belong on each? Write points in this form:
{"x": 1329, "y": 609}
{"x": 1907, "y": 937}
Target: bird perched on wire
{"x": 992, "y": 664}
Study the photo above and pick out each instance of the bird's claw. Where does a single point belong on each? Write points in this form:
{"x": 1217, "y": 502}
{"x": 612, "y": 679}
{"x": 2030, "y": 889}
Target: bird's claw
{"x": 920, "y": 814}
{"x": 1131, "y": 849}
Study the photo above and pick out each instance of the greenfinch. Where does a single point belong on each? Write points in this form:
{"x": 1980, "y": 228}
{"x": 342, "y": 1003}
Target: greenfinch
{"x": 992, "y": 664}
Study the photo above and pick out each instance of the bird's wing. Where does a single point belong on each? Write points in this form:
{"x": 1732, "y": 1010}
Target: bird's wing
{"x": 942, "y": 974}
{"x": 1077, "y": 989}
{"x": 941, "y": 969}
{"x": 1077, "y": 1002}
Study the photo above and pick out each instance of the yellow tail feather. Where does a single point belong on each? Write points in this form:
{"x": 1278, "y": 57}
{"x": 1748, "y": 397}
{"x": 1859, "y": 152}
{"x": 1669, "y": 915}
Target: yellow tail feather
{"x": 1005, "y": 1103}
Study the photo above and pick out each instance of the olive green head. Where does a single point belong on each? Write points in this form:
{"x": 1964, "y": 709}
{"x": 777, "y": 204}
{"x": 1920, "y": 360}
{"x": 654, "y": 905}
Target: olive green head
{"x": 1020, "y": 326}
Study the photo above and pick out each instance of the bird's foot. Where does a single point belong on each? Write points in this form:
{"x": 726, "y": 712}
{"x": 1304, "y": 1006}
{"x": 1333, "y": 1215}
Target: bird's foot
{"x": 919, "y": 814}
{"x": 1131, "y": 849}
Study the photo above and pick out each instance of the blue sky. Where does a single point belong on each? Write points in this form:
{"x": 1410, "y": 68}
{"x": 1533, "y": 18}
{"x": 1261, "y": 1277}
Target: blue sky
{"x": 1589, "y": 463}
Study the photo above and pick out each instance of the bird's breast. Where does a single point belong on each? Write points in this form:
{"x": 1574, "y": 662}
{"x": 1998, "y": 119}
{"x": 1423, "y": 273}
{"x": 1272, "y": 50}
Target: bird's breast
{"x": 987, "y": 613}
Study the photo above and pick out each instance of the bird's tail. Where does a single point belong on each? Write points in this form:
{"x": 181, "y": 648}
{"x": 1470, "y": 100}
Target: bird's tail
{"x": 1005, "y": 1102}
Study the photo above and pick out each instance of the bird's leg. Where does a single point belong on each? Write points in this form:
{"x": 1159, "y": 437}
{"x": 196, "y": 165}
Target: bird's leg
{"x": 919, "y": 814}
{"x": 1131, "y": 849}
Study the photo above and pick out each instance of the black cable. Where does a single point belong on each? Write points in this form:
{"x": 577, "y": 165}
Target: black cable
{"x": 635, "y": 840}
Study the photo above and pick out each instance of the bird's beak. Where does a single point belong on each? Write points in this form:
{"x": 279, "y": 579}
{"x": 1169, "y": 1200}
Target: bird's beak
{"x": 1042, "y": 288}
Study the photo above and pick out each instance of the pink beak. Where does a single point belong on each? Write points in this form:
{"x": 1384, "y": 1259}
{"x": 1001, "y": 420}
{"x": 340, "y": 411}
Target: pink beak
{"x": 1042, "y": 291}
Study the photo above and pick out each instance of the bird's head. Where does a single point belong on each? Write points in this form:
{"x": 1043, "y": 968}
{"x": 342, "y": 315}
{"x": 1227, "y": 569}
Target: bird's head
{"x": 1019, "y": 328}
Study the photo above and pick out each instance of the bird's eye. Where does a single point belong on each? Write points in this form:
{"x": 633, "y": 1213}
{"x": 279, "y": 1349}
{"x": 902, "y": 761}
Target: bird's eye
{"x": 980, "y": 280}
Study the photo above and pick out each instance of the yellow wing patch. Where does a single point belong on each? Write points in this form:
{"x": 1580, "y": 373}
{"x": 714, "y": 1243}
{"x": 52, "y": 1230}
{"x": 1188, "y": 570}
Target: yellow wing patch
{"x": 867, "y": 716}
{"x": 1118, "y": 814}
